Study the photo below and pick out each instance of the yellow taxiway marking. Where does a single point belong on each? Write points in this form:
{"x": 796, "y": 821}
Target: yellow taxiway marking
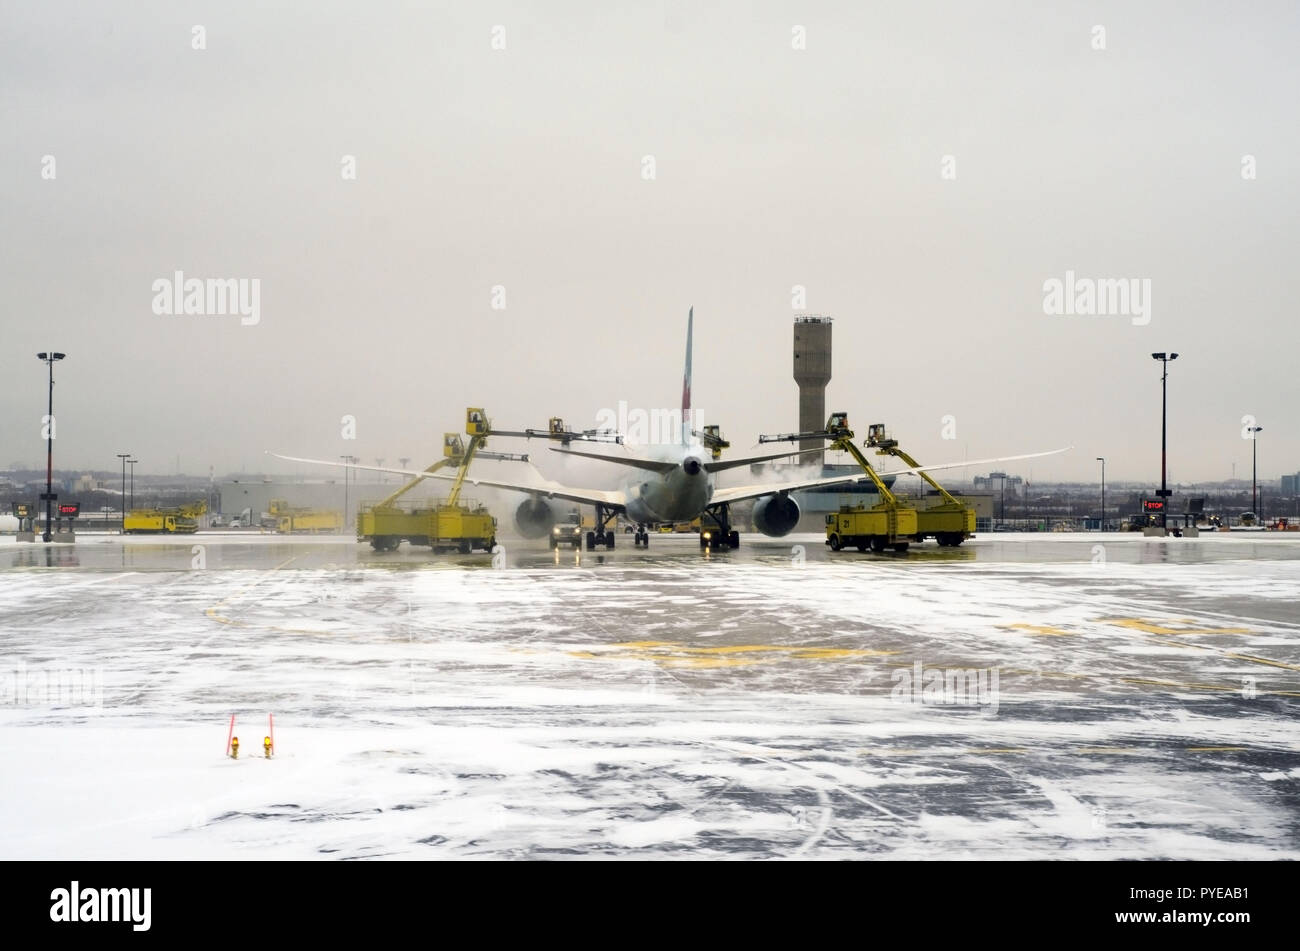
{"x": 891, "y": 752}
{"x": 222, "y": 619}
{"x": 1037, "y": 629}
{"x": 1263, "y": 660}
{"x": 1148, "y": 627}
{"x": 671, "y": 654}
{"x": 1227, "y": 688}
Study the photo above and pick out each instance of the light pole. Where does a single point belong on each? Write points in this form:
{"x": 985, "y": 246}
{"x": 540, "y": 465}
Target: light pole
{"x": 131, "y": 463}
{"x": 1254, "y": 471}
{"x": 1102, "y": 460}
{"x": 348, "y": 460}
{"x": 123, "y": 456}
{"x": 1165, "y": 359}
{"x": 49, "y": 359}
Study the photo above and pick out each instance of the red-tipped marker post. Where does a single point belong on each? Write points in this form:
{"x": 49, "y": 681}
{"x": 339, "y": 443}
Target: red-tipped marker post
{"x": 229, "y": 735}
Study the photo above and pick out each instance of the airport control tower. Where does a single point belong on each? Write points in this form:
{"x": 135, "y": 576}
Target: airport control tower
{"x": 812, "y": 371}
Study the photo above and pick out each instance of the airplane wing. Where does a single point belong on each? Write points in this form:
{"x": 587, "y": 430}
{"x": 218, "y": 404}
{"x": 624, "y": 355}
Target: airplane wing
{"x": 550, "y": 490}
{"x": 977, "y": 462}
{"x": 610, "y": 499}
{"x": 740, "y": 493}
{"x": 655, "y": 465}
{"x": 424, "y": 473}
{"x": 750, "y": 460}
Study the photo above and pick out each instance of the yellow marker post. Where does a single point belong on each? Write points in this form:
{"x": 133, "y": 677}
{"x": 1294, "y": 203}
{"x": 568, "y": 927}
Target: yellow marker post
{"x": 234, "y": 747}
{"x": 266, "y": 746}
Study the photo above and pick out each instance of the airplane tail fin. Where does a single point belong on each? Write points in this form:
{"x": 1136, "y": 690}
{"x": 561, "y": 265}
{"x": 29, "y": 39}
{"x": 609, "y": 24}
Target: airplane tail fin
{"x": 686, "y": 380}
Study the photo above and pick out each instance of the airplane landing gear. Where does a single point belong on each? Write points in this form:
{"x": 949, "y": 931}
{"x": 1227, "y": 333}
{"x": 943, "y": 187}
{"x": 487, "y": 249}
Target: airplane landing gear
{"x": 642, "y": 537}
{"x": 603, "y": 535}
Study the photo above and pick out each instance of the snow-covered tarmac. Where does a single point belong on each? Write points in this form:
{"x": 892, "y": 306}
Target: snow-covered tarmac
{"x": 1024, "y": 696}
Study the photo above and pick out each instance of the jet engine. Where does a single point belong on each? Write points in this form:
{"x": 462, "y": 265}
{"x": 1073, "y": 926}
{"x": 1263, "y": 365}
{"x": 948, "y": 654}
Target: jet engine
{"x": 534, "y": 518}
{"x": 776, "y": 514}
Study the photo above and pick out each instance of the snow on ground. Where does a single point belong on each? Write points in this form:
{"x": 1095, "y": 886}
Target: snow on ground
{"x": 1088, "y": 697}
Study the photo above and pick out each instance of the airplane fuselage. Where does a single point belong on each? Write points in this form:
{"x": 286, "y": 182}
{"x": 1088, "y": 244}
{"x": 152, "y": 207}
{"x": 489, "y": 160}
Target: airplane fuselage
{"x": 678, "y": 495}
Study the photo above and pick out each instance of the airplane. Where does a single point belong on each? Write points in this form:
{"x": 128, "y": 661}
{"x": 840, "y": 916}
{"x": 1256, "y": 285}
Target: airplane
{"x": 675, "y": 483}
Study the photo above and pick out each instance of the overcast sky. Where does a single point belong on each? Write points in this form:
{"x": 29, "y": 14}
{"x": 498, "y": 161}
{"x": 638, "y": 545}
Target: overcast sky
{"x": 524, "y": 168}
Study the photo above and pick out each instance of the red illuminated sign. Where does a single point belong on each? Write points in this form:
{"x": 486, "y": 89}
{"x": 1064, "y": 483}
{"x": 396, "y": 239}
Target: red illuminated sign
{"x": 70, "y": 509}
{"x": 1153, "y": 505}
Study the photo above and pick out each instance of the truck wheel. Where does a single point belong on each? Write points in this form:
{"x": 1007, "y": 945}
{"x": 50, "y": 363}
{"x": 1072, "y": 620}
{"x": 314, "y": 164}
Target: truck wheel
{"x": 836, "y": 544}
{"x": 877, "y": 544}
{"x": 900, "y": 546}
{"x": 465, "y": 547}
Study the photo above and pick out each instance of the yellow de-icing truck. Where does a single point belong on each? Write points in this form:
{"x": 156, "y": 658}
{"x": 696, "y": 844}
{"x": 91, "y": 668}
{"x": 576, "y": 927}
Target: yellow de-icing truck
{"x": 887, "y": 524}
{"x": 893, "y": 523}
{"x": 450, "y": 524}
{"x": 884, "y": 525}
{"x": 179, "y": 520}
{"x": 290, "y": 520}
{"x": 950, "y": 522}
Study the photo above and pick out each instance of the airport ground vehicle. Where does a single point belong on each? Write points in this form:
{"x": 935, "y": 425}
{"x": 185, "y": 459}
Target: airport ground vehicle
{"x": 950, "y": 522}
{"x": 876, "y": 527}
{"x": 451, "y": 524}
{"x": 887, "y": 524}
{"x": 892, "y": 522}
{"x": 1248, "y": 522}
{"x": 174, "y": 520}
{"x": 568, "y": 532}
{"x": 290, "y": 520}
